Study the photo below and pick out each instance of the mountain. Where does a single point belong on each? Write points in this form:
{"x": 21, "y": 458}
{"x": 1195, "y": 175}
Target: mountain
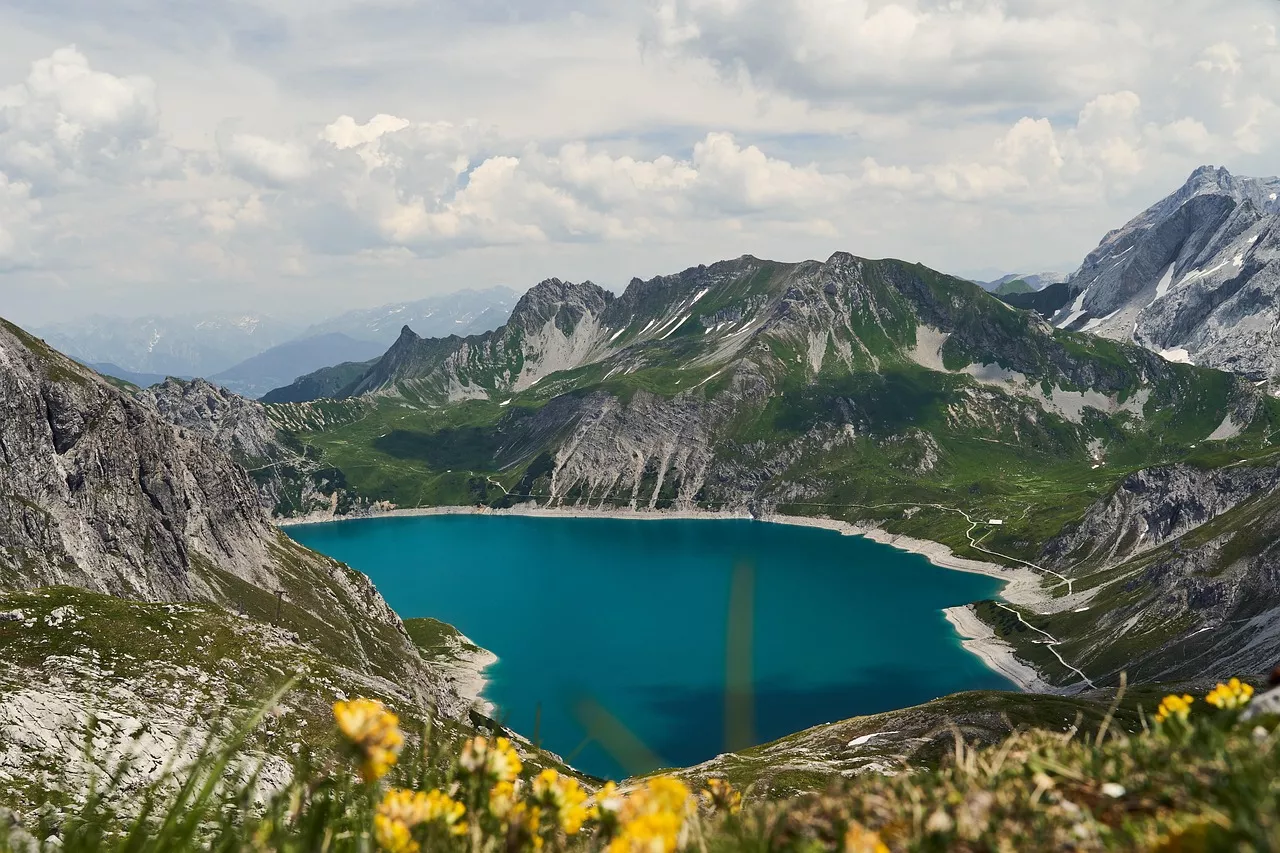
{"x": 290, "y": 481}
{"x": 463, "y": 312}
{"x": 877, "y": 393}
{"x": 188, "y": 345}
{"x": 325, "y": 382}
{"x": 281, "y": 364}
{"x": 1021, "y": 282}
{"x": 121, "y": 535}
{"x": 1195, "y": 277}
{"x": 102, "y": 493}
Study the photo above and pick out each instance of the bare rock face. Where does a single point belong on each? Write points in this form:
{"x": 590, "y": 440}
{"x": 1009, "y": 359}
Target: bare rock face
{"x": 238, "y": 425}
{"x": 1196, "y": 277}
{"x": 1157, "y": 505}
{"x": 289, "y": 482}
{"x": 100, "y": 492}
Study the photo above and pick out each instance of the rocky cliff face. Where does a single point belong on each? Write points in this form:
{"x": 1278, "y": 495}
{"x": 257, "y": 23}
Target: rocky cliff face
{"x": 1154, "y": 506}
{"x": 1195, "y": 277}
{"x": 290, "y": 482}
{"x": 99, "y": 492}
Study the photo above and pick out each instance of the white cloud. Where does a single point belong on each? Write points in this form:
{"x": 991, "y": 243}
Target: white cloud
{"x": 17, "y": 210}
{"x": 67, "y": 124}
{"x": 247, "y": 151}
{"x": 261, "y": 160}
{"x": 432, "y": 186}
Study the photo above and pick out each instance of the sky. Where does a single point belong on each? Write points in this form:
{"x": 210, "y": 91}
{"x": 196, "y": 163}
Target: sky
{"x": 303, "y": 157}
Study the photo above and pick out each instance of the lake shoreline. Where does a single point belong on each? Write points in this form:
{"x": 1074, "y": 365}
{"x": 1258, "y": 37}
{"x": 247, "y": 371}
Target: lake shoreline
{"x": 1022, "y": 586}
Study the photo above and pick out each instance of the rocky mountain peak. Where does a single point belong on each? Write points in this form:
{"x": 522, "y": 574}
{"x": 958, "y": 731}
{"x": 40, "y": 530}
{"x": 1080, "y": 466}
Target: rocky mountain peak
{"x": 1194, "y": 277}
{"x": 563, "y": 302}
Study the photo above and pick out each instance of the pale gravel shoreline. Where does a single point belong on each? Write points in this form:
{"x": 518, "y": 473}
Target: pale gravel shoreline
{"x": 1022, "y": 586}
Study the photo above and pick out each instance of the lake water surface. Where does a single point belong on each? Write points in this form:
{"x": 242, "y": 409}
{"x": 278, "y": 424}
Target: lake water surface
{"x": 618, "y": 627}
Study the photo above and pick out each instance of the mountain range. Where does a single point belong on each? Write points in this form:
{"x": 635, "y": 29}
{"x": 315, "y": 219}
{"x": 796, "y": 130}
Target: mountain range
{"x": 1129, "y": 494}
{"x": 1194, "y": 277}
{"x": 1011, "y": 283}
{"x": 875, "y": 392}
{"x": 184, "y": 345}
{"x": 251, "y": 354}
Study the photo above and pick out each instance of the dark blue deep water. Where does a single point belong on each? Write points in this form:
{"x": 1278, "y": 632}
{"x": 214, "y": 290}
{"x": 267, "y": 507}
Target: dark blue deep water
{"x": 618, "y": 627}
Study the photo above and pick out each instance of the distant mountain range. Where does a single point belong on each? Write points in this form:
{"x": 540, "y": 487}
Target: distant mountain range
{"x": 187, "y": 345}
{"x": 251, "y": 354}
{"x": 283, "y": 363}
{"x": 1022, "y": 282}
{"x": 463, "y": 312}
{"x": 142, "y": 380}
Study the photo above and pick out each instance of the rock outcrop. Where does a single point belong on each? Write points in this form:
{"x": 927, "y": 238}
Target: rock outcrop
{"x": 99, "y": 492}
{"x": 1195, "y": 277}
{"x": 290, "y": 482}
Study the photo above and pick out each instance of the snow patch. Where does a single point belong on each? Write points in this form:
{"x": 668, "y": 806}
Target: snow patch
{"x": 708, "y": 379}
{"x": 1098, "y": 321}
{"x": 506, "y": 402}
{"x": 1077, "y": 310}
{"x": 1179, "y": 355}
{"x": 1166, "y": 278}
{"x": 1202, "y": 273}
{"x": 672, "y": 330}
{"x": 865, "y": 739}
{"x": 619, "y": 332}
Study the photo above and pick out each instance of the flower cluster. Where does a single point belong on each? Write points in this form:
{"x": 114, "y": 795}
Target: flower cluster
{"x": 374, "y": 733}
{"x": 496, "y": 762}
{"x": 401, "y": 813}
{"x": 563, "y": 798}
{"x": 721, "y": 797}
{"x": 1230, "y": 696}
{"x": 653, "y": 819}
{"x": 1174, "y": 707}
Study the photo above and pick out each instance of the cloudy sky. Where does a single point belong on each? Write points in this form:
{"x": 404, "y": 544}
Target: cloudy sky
{"x": 305, "y": 156}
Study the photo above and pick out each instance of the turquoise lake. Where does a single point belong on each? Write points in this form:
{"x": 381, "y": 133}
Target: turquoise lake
{"x": 628, "y": 618}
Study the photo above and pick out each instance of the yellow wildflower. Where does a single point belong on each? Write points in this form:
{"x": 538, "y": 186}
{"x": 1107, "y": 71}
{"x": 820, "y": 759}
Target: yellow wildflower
{"x": 662, "y": 793}
{"x": 564, "y": 798}
{"x": 502, "y": 798}
{"x": 1174, "y": 706}
{"x": 859, "y": 839}
{"x": 1234, "y": 694}
{"x": 373, "y": 731}
{"x": 653, "y": 818}
{"x": 721, "y": 796}
{"x": 652, "y": 832}
{"x": 400, "y": 812}
{"x": 607, "y": 804}
{"x": 524, "y": 825}
{"x": 394, "y": 836}
{"x": 497, "y": 760}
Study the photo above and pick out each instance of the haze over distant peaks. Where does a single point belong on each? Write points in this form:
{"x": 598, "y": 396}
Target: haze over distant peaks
{"x": 185, "y": 345}
{"x": 463, "y": 312}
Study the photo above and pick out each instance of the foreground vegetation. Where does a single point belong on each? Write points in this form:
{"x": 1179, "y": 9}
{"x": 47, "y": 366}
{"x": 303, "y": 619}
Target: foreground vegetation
{"x": 1201, "y": 774}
